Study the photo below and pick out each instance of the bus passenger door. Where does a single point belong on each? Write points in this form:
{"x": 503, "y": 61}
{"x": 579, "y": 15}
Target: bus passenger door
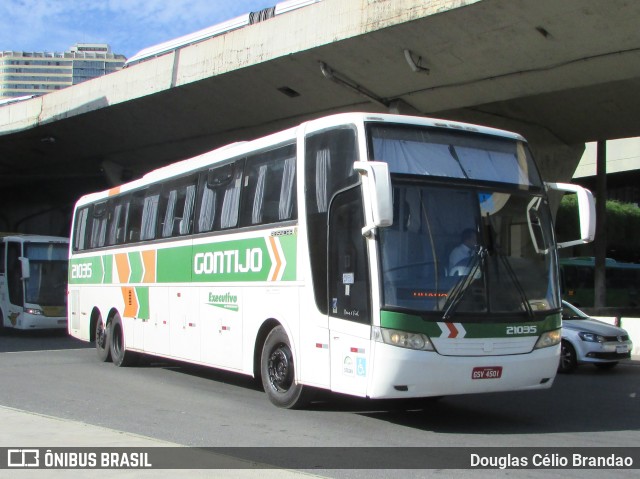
{"x": 15, "y": 284}
{"x": 349, "y": 295}
{"x": 156, "y": 333}
{"x": 185, "y": 325}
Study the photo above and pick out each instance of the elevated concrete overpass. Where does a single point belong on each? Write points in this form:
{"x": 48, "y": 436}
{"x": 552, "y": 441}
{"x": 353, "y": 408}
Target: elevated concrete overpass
{"x": 561, "y": 73}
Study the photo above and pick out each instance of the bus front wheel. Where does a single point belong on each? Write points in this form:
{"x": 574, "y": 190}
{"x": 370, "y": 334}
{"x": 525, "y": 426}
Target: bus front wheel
{"x": 278, "y": 373}
{"x": 119, "y": 354}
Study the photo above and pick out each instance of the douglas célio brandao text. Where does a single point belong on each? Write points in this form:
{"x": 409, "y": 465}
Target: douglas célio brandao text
{"x": 550, "y": 460}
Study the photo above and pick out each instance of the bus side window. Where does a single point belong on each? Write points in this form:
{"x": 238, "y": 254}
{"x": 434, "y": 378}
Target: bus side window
{"x": 117, "y": 221}
{"x": 268, "y": 195}
{"x": 134, "y": 219}
{"x": 80, "y": 230}
{"x": 219, "y": 198}
{"x": 176, "y": 209}
{"x": 98, "y": 225}
{"x": 230, "y": 208}
{"x": 149, "y": 216}
{"x": 206, "y": 206}
{"x": 329, "y": 158}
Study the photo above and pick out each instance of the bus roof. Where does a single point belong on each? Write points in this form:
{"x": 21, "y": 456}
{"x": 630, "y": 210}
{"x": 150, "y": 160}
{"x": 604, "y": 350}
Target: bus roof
{"x": 234, "y": 150}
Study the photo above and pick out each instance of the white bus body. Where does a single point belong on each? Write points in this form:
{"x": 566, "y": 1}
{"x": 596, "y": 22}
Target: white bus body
{"x": 317, "y": 257}
{"x": 33, "y": 281}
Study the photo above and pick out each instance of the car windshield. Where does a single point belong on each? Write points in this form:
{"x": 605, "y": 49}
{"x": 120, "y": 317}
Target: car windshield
{"x": 47, "y": 282}
{"x": 569, "y": 311}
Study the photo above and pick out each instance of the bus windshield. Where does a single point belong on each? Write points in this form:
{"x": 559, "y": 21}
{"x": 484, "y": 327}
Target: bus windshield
{"x": 480, "y": 246}
{"x": 48, "y": 266}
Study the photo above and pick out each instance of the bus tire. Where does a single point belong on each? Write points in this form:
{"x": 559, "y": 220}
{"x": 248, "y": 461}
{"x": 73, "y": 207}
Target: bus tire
{"x": 103, "y": 343}
{"x": 119, "y": 354}
{"x": 278, "y": 373}
{"x": 568, "y": 359}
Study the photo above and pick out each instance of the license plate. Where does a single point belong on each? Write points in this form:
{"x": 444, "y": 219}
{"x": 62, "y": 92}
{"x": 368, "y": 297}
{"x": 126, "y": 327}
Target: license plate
{"x": 487, "y": 372}
{"x": 622, "y": 349}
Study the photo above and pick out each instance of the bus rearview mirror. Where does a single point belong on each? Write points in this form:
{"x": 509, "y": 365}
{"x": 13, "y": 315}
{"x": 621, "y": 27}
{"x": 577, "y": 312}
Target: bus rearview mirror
{"x": 378, "y": 194}
{"x": 25, "y": 267}
{"x": 586, "y": 212}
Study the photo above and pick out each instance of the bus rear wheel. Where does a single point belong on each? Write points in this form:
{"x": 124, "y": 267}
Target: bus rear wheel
{"x": 119, "y": 354}
{"x": 102, "y": 341}
{"x": 278, "y": 372}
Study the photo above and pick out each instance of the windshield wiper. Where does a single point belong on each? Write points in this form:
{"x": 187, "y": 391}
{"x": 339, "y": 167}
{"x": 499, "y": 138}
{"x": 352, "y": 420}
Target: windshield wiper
{"x": 462, "y": 286}
{"x": 518, "y": 286}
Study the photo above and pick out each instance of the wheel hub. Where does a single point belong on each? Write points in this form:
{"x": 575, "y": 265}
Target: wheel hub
{"x": 280, "y": 369}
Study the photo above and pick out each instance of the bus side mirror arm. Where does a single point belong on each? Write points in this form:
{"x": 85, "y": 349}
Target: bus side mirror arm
{"x": 586, "y": 212}
{"x": 378, "y": 195}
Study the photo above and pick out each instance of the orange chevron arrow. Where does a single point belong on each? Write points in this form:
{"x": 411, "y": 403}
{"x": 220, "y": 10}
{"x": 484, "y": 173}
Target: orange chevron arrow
{"x": 130, "y": 302}
{"x": 274, "y": 248}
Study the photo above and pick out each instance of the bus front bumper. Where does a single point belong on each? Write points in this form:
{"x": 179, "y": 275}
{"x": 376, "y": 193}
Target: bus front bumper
{"x": 402, "y": 373}
{"x": 40, "y": 321}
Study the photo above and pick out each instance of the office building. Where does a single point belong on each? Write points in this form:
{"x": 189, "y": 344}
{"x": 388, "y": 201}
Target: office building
{"x": 36, "y": 73}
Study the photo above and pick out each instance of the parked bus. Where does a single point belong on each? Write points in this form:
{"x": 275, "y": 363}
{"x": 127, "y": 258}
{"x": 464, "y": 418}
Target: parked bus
{"x": 622, "y": 282}
{"x": 318, "y": 257}
{"x": 33, "y": 281}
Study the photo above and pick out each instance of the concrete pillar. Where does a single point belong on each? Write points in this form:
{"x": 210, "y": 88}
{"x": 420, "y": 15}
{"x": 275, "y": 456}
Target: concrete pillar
{"x": 600, "y": 287}
{"x": 557, "y": 163}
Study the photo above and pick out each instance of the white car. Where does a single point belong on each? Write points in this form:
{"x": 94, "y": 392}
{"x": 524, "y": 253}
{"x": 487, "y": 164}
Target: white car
{"x": 587, "y": 340}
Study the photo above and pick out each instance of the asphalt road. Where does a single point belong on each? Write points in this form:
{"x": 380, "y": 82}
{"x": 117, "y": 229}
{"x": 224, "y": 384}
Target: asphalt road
{"x": 195, "y": 406}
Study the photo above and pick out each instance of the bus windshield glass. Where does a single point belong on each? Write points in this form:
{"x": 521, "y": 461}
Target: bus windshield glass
{"x": 48, "y": 266}
{"x": 479, "y": 246}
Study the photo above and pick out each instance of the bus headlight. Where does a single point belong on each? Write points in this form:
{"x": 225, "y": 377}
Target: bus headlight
{"x": 550, "y": 338}
{"x": 403, "y": 339}
{"x": 33, "y": 311}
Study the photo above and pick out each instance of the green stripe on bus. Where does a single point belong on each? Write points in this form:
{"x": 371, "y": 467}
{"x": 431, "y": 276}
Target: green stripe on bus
{"x": 142, "y": 293}
{"x": 289, "y": 247}
{"x": 174, "y": 265}
{"x": 408, "y": 322}
{"x": 271, "y": 258}
{"x": 137, "y": 270}
{"x": 229, "y": 261}
{"x": 107, "y": 263}
{"x": 86, "y": 270}
{"x": 413, "y": 323}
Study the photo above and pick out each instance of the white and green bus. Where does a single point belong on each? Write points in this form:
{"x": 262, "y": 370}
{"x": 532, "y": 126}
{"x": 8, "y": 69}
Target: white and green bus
{"x": 318, "y": 257}
{"x": 33, "y": 281}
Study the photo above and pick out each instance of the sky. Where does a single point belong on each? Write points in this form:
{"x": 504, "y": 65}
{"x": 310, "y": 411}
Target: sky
{"x": 127, "y": 25}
